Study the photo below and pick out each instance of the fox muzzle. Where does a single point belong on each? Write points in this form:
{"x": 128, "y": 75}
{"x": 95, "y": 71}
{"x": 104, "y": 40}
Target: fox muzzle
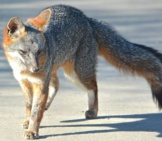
{"x": 33, "y": 64}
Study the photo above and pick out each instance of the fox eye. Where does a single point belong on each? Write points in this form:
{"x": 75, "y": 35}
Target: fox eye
{"x": 39, "y": 52}
{"x": 22, "y": 52}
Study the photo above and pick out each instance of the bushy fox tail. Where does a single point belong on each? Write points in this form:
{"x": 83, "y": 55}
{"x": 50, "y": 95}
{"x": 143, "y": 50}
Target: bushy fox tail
{"x": 136, "y": 59}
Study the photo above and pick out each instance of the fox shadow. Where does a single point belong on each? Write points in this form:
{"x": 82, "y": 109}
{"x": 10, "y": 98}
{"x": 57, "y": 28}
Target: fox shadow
{"x": 145, "y": 122}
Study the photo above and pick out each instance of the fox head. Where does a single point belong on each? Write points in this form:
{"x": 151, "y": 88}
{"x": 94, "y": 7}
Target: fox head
{"x": 25, "y": 44}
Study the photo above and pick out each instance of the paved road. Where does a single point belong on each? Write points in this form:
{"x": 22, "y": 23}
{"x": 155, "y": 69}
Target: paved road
{"x": 127, "y": 111}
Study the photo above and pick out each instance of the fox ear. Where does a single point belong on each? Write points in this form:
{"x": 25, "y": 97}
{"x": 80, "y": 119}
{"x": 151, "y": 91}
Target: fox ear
{"x": 41, "y": 20}
{"x": 15, "y": 27}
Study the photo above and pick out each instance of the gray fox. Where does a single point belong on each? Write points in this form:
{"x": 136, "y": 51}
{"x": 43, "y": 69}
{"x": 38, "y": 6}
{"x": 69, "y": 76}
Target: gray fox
{"x": 62, "y": 36}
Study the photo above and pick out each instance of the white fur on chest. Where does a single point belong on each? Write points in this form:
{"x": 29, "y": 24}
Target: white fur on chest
{"x": 18, "y": 67}
{"x": 30, "y": 78}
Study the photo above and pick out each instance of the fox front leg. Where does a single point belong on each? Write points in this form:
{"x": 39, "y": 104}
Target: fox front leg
{"x": 53, "y": 88}
{"x": 27, "y": 91}
{"x": 40, "y": 94}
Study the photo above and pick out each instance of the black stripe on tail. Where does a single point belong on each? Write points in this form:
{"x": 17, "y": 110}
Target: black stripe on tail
{"x": 157, "y": 96}
{"x": 156, "y": 85}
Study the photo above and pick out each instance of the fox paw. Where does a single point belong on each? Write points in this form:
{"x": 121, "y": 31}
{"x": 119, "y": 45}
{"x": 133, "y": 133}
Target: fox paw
{"x": 29, "y": 135}
{"x": 26, "y": 124}
{"x": 90, "y": 114}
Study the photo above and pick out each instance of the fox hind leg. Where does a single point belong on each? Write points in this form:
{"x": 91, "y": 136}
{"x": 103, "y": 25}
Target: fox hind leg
{"x": 92, "y": 99}
{"x": 88, "y": 84}
{"x": 81, "y": 70}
